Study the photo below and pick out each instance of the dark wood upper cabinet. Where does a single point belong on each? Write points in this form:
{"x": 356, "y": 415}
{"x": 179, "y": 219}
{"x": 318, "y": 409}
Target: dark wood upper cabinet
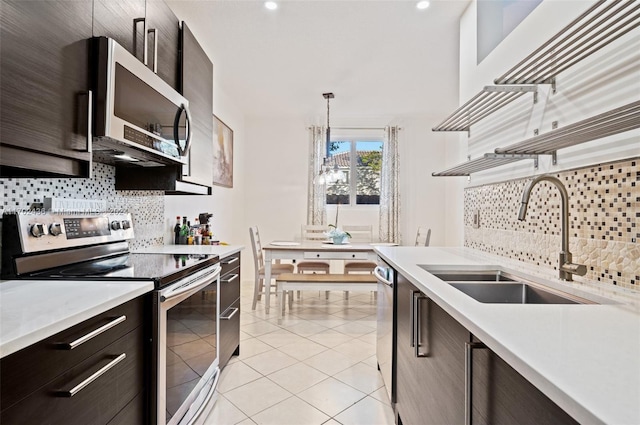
{"x": 163, "y": 26}
{"x": 132, "y": 22}
{"x": 44, "y": 81}
{"x": 197, "y": 86}
{"x": 123, "y": 21}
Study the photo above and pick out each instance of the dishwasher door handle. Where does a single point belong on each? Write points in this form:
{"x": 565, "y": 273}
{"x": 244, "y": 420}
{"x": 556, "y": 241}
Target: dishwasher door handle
{"x": 380, "y": 274}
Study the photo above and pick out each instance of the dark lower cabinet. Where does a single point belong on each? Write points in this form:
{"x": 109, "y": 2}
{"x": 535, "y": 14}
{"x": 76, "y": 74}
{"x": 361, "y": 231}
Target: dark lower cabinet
{"x": 430, "y": 361}
{"x": 229, "y": 310}
{"x": 44, "y": 80}
{"x": 101, "y": 380}
{"x": 446, "y": 376}
{"x": 502, "y": 396}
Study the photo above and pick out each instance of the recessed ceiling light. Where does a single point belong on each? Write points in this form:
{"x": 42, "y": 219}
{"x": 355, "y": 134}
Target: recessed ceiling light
{"x": 271, "y": 5}
{"x": 421, "y": 5}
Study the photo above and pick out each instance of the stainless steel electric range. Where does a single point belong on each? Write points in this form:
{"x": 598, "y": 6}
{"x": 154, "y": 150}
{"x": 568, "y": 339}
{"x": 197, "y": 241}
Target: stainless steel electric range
{"x": 184, "y": 328}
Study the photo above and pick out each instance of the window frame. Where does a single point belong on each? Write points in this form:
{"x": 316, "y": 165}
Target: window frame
{"x": 353, "y": 182}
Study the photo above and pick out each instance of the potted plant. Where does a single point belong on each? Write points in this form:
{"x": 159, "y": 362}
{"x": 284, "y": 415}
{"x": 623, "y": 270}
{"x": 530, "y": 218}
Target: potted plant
{"x": 338, "y": 235}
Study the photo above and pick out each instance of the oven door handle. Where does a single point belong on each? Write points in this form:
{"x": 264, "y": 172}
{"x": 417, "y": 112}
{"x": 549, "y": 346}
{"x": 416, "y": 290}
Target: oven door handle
{"x": 192, "y": 287}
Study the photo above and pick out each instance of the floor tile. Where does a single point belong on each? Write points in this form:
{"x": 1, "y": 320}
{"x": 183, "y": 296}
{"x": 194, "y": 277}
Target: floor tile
{"x": 224, "y": 413}
{"x": 251, "y": 347}
{"x": 307, "y": 329}
{"x": 371, "y": 362}
{"x": 353, "y": 329}
{"x": 235, "y": 375}
{"x": 361, "y": 377}
{"x": 280, "y": 337}
{"x": 331, "y": 396}
{"x": 303, "y": 350}
{"x": 330, "y": 338}
{"x": 381, "y": 395}
{"x": 270, "y": 361}
{"x": 370, "y": 338}
{"x": 291, "y": 411}
{"x": 367, "y": 412}
{"x": 259, "y": 328}
{"x": 298, "y": 377}
{"x": 246, "y": 422}
{"x": 356, "y": 350}
{"x": 256, "y": 396}
{"x": 330, "y": 362}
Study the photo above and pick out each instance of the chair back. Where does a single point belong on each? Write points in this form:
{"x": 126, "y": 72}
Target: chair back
{"x": 423, "y": 236}
{"x": 359, "y": 234}
{"x": 314, "y": 232}
{"x": 258, "y": 259}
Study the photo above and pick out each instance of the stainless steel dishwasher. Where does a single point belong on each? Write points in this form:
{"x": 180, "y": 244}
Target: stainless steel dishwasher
{"x": 386, "y": 320}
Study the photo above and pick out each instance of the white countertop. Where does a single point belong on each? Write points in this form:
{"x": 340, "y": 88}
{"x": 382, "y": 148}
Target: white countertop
{"x": 585, "y": 357}
{"x": 219, "y": 250}
{"x": 32, "y": 310}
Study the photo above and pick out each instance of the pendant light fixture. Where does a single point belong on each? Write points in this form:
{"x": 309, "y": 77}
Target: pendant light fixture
{"x": 327, "y": 174}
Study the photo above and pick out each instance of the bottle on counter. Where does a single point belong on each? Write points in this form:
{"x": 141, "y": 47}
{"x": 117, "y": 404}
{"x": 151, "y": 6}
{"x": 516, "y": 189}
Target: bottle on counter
{"x": 176, "y": 231}
{"x": 189, "y": 234}
{"x": 184, "y": 231}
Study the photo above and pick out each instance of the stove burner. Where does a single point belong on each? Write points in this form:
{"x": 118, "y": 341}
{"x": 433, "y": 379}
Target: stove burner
{"x": 90, "y": 270}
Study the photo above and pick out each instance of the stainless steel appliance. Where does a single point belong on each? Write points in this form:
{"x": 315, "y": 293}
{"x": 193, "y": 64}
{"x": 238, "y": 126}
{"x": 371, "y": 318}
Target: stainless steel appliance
{"x": 139, "y": 119}
{"x": 386, "y": 319}
{"x": 93, "y": 247}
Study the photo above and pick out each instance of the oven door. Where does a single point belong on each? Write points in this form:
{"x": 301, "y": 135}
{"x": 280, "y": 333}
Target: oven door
{"x": 186, "y": 352}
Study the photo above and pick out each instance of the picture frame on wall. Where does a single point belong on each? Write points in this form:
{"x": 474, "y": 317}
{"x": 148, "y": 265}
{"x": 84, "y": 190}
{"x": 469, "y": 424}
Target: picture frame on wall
{"x": 222, "y": 153}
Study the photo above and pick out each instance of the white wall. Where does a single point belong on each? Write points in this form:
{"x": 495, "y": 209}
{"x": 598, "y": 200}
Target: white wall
{"x": 606, "y": 80}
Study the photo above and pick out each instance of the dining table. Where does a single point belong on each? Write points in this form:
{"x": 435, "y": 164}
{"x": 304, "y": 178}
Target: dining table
{"x": 313, "y": 250}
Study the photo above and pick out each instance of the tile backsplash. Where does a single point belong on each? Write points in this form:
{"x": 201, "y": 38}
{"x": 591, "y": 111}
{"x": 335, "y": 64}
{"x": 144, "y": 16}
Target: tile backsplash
{"x": 146, "y": 207}
{"x": 604, "y": 219}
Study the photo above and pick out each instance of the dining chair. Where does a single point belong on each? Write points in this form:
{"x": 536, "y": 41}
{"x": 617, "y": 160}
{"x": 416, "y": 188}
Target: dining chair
{"x": 258, "y": 262}
{"x": 359, "y": 234}
{"x": 423, "y": 236}
{"x": 313, "y": 232}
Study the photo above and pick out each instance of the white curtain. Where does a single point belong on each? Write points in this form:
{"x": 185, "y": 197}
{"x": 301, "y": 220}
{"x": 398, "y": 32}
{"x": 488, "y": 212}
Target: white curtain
{"x": 316, "y": 203}
{"x": 389, "y": 189}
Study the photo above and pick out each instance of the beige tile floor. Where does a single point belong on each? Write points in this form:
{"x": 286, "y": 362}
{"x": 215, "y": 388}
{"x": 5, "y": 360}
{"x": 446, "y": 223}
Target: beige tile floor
{"x": 317, "y": 367}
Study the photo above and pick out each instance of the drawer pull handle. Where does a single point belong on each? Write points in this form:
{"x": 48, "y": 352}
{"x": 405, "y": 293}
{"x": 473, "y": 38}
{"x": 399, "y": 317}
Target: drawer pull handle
{"x": 75, "y": 390}
{"x": 231, "y": 261}
{"x": 229, "y": 279}
{"x": 228, "y": 317}
{"x": 94, "y": 333}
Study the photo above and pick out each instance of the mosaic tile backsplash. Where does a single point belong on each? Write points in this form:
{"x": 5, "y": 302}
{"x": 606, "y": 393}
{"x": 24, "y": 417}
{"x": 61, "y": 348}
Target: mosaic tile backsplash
{"x": 604, "y": 217}
{"x": 146, "y": 207}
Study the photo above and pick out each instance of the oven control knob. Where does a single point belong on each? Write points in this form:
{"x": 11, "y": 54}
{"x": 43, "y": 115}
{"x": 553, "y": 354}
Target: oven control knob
{"x": 55, "y": 229}
{"x": 125, "y": 224}
{"x": 37, "y": 230}
{"x": 115, "y": 225}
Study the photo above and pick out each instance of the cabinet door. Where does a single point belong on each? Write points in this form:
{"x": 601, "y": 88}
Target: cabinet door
{"x": 434, "y": 370}
{"x": 502, "y": 396}
{"x": 123, "y": 21}
{"x": 197, "y": 87}
{"x": 44, "y": 80}
{"x": 163, "y": 41}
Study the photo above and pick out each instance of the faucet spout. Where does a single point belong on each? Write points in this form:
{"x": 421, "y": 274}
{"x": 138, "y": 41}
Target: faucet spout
{"x": 566, "y": 267}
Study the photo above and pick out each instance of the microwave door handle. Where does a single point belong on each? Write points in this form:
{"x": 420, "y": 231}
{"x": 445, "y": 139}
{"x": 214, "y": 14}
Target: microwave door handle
{"x": 176, "y": 129}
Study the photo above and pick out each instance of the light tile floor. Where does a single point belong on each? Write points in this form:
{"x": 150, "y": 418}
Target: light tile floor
{"x": 317, "y": 367}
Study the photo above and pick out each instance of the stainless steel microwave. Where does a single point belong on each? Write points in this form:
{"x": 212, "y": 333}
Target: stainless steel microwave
{"x": 139, "y": 119}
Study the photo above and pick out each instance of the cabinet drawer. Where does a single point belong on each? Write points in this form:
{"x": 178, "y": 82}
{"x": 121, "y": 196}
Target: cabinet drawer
{"x": 99, "y": 400}
{"x": 29, "y": 369}
{"x": 336, "y": 255}
{"x": 229, "y": 263}
{"x": 229, "y": 289}
{"x": 229, "y": 332}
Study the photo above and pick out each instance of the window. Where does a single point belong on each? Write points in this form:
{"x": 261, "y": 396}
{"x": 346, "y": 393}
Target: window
{"x": 359, "y": 163}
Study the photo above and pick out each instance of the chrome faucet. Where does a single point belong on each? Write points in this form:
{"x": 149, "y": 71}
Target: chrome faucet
{"x": 566, "y": 267}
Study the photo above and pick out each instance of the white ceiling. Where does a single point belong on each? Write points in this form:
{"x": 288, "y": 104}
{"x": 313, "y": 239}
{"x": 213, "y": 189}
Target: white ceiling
{"x": 380, "y": 58}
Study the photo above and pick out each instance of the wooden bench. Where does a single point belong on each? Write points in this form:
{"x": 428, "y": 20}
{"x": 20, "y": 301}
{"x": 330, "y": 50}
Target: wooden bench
{"x": 321, "y": 282}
